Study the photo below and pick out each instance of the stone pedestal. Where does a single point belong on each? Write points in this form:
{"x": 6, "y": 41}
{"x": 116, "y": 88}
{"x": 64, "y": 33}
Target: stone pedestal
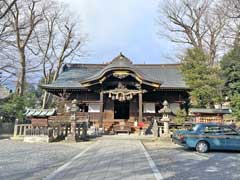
{"x": 165, "y": 121}
{"x": 72, "y": 136}
{"x": 166, "y": 128}
{"x": 165, "y": 111}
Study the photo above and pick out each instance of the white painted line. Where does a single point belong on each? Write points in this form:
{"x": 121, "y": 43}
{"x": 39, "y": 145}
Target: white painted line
{"x": 153, "y": 166}
{"x": 61, "y": 168}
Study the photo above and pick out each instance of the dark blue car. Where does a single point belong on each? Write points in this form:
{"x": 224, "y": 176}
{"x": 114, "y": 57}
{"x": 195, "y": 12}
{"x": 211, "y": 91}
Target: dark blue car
{"x": 204, "y": 137}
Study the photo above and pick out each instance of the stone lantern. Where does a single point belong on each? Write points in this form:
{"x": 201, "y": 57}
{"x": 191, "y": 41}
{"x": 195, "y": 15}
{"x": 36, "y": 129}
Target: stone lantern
{"x": 165, "y": 111}
{"x": 74, "y": 108}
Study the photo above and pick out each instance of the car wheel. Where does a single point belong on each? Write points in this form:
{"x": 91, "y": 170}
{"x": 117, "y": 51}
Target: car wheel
{"x": 202, "y": 147}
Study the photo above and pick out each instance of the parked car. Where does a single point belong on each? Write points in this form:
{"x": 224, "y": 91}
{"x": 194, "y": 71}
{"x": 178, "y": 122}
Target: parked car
{"x": 205, "y": 136}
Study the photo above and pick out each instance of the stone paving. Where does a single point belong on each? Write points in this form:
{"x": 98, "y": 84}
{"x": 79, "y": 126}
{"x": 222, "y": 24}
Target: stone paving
{"x": 115, "y": 158}
{"x": 25, "y": 161}
{"x": 177, "y": 163}
{"x": 110, "y": 159}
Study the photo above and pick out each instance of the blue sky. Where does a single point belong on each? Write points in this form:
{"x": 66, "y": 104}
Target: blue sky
{"x": 127, "y": 26}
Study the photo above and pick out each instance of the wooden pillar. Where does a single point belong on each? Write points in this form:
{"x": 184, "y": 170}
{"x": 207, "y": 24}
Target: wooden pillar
{"x": 139, "y": 107}
{"x": 101, "y": 110}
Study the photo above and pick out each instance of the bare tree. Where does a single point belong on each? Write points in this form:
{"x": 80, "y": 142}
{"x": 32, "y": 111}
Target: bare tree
{"x": 5, "y": 66}
{"x": 5, "y": 7}
{"x": 62, "y": 42}
{"x": 24, "y": 17}
{"x": 233, "y": 7}
{"x": 199, "y": 24}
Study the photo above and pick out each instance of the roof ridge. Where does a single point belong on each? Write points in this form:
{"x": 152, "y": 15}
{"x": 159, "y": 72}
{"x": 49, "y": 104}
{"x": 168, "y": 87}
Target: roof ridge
{"x": 95, "y": 64}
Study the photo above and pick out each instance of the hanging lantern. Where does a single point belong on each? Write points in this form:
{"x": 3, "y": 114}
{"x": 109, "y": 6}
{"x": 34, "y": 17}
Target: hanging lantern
{"x": 110, "y": 95}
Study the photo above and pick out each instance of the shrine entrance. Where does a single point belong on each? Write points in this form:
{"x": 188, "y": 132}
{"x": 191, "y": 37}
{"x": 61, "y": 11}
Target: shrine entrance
{"x": 121, "y": 110}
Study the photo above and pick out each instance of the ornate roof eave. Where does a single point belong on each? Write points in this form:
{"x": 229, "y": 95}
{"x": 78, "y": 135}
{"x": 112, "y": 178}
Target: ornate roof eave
{"x": 48, "y": 87}
{"x": 98, "y": 79}
{"x": 58, "y": 88}
{"x": 121, "y": 65}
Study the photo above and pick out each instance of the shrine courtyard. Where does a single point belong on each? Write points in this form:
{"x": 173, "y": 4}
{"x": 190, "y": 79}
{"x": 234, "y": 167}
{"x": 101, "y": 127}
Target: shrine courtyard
{"x": 113, "y": 157}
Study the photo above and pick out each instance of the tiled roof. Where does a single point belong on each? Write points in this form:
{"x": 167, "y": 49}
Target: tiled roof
{"x": 123, "y": 63}
{"x": 40, "y": 112}
{"x": 168, "y": 75}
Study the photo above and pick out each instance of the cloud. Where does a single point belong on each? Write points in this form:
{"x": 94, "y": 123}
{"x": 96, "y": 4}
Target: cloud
{"x": 124, "y": 25}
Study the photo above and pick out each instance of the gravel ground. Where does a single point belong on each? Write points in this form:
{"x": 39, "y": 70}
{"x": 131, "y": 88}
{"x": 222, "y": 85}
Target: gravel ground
{"x": 19, "y": 160}
{"x": 177, "y": 163}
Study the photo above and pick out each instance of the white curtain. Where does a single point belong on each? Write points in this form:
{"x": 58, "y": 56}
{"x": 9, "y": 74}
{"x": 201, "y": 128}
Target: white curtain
{"x": 94, "y": 108}
{"x": 149, "y": 107}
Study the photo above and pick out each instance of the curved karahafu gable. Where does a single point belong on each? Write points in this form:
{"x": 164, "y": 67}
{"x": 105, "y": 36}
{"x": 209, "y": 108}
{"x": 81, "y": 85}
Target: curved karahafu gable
{"x": 120, "y": 67}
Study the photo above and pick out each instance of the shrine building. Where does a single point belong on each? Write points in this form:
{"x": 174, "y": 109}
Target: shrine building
{"x": 118, "y": 92}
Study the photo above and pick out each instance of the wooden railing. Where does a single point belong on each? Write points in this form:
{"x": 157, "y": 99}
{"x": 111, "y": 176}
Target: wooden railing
{"x": 80, "y": 116}
{"x": 94, "y": 116}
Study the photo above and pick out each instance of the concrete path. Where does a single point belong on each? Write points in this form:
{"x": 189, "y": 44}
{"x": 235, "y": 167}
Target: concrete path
{"x": 109, "y": 159}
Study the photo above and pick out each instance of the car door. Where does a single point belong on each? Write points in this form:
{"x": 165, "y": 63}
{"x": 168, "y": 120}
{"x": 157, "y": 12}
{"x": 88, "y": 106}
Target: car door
{"x": 232, "y": 138}
{"x": 213, "y": 134}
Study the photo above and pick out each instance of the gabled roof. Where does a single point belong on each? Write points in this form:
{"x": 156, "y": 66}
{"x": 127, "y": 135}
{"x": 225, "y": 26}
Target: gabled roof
{"x": 74, "y": 75}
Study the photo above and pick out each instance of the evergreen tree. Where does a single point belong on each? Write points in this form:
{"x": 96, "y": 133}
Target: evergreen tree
{"x": 181, "y": 117}
{"x": 235, "y": 105}
{"x": 230, "y": 65}
{"x": 15, "y": 106}
{"x": 203, "y": 79}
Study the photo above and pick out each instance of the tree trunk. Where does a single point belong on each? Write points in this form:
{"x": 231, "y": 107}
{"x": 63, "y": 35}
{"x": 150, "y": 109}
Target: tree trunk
{"x": 45, "y": 100}
{"x": 47, "y": 97}
{"x": 56, "y": 74}
{"x": 22, "y": 75}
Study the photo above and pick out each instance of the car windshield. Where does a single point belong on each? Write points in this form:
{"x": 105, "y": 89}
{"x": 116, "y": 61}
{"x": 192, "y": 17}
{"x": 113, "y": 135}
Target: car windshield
{"x": 194, "y": 127}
